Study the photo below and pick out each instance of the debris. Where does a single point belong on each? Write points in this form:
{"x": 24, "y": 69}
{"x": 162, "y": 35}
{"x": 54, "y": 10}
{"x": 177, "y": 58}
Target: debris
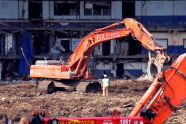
{"x": 145, "y": 77}
{"x": 23, "y": 97}
{"x": 3, "y": 99}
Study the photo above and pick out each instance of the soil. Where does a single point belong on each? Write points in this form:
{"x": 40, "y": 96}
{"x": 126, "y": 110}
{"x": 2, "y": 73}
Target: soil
{"x": 20, "y": 97}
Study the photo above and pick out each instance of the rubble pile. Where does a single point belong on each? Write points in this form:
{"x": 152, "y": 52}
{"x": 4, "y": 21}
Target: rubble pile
{"x": 21, "y": 97}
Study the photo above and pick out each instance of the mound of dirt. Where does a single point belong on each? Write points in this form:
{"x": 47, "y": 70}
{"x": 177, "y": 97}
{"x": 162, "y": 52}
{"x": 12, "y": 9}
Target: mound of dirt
{"x": 18, "y": 98}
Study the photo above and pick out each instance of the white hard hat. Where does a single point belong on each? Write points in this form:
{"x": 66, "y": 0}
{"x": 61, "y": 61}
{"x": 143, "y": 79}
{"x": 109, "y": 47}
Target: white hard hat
{"x": 104, "y": 75}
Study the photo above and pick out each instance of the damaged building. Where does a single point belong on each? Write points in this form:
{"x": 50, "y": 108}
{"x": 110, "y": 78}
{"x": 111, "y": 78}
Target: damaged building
{"x": 62, "y": 24}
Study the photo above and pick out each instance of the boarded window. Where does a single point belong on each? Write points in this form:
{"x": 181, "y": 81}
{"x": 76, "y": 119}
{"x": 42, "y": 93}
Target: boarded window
{"x": 162, "y": 42}
{"x": 97, "y": 8}
{"x": 67, "y": 8}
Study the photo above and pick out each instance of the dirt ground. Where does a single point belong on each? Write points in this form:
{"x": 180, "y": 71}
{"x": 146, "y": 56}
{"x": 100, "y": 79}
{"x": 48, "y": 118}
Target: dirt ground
{"x": 20, "y": 97}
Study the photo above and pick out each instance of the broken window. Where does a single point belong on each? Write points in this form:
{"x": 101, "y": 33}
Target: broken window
{"x": 134, "y": 46}
{"x": 9, "y": 44}
{"x": 122, "y": 47}
{"x": 68, "y": 8}
{"x": 119, "y": 70}
{"x": 40, "y": 43}
{"x": 66, "y": 44}
{"x": 35, "y": 9}
{"x": 128, "y": 9}
{"x": 97, "y": 8}
{"x": 106, "y": 48}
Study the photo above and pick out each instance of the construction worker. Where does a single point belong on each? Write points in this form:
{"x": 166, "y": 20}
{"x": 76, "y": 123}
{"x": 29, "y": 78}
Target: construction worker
{"x": 105, "y": 85}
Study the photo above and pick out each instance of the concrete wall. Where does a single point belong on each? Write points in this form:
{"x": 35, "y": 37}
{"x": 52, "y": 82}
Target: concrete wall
{"x": 48, "y": 12}
{"x": 175, "y": 38}
{"x": 8, "y": 9}
{"x": 143, "y": 8}
{"x": 179, "y": 8}
{"x": 160, "y": 8}
{"x": 12, "y": 9}
{"x": 116, "y": 11}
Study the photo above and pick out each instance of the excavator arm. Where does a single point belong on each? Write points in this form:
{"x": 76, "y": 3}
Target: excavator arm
{"x": 79, "y": 59}
{"x": 166, "y": 94}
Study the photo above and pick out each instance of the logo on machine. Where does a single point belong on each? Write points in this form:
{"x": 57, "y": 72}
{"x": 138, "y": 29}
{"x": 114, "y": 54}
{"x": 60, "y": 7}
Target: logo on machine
{"x": 74, "y": 122}
{"x": 107, "y": 36}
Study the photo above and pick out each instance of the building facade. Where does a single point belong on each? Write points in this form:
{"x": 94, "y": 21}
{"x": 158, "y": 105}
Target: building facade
{"x": 67, "y": 22}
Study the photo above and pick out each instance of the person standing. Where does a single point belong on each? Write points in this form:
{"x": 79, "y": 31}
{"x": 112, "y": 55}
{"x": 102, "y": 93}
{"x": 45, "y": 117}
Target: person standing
{"x": 105, "y": 85}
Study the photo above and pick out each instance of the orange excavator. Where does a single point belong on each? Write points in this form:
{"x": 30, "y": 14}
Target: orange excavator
{"x": 76, "y": 67}
{"x": 165, "y": 95}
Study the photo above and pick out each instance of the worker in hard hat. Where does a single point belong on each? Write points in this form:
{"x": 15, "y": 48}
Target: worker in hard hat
{"x": 105, "y": 85}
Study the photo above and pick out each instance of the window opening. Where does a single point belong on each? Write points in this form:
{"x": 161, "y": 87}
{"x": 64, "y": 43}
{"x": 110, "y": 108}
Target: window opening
{"x": 40, "y": 43}
{"x": 122, "y": 47}
{"x": 35, "y": 9}
{"x": 68, "y": 8}
{"x": 106, "y": 48}
{"x": 66, "y": 45}
{"x": 134, "y": 46}
{"x": 119, "y": 70}
{"x": 128, "y": 9}
{"x": 97, "y": 8}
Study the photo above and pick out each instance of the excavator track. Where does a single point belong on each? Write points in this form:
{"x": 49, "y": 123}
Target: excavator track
{"x": 89, "y": 86}
{"x": 50, "y": 86}
{"x": 46, "y": 86}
